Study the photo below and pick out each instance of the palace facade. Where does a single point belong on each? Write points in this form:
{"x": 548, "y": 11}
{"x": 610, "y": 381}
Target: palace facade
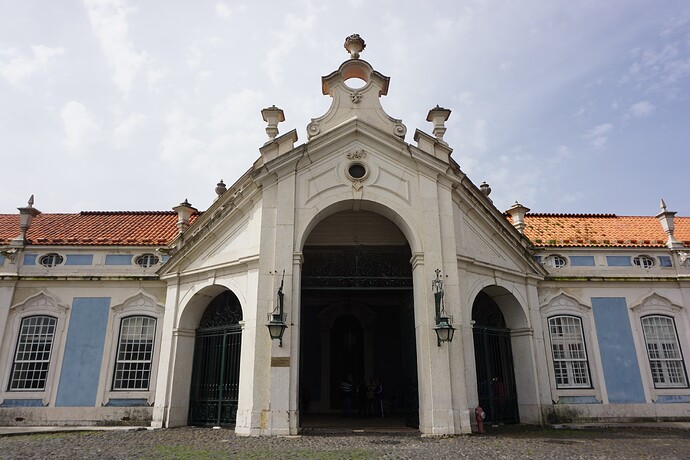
{"x": 371, "y": 257}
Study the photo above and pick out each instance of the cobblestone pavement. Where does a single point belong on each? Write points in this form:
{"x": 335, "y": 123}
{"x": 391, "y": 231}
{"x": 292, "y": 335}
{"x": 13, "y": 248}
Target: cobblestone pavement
{"x": 500, "y": 443}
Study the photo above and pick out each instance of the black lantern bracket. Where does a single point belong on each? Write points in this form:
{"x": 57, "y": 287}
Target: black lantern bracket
{"x": 277, "y": 318}
{"x": 444, "y": 323}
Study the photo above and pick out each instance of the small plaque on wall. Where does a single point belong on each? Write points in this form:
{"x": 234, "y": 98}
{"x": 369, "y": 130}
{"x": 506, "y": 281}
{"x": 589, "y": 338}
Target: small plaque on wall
{"x": 280, "y": 361}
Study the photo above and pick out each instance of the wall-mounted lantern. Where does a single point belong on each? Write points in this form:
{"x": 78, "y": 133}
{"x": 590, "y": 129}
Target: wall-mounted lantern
{"x": 276, "y": 319}
{"x": 444, "y": 323}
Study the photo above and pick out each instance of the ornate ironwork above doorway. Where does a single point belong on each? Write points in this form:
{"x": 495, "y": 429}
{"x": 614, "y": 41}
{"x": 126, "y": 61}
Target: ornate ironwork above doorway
{"x": 357, "y": 267}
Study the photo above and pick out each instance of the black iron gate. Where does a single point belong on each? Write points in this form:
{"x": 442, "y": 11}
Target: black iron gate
{"x": 216, "y": 369}
{"x": 215, "y": 377}
{"x": 495, "y": 375}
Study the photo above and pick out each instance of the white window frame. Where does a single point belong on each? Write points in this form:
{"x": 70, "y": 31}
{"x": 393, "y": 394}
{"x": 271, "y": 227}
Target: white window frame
{"x": 555, "y": 261}
{"x": 643, "y": 261}
{"x": 32, "y": 353}
{"x": 131, "y": 364}
{"x": 57, "y": 258}
{"x": 669, "y": 352}
{"x": 140, "y": 304}
{"x": 42, "y": 303}
{"x": 149, "y": 258}
{"x": 658, "y": 305}
{"x": 569, "y": 364}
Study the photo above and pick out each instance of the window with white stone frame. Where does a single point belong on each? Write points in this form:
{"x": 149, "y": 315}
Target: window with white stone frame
{"x": 134, "y": 353}
{"x": 32, "y": 354}
{"x": 664, "y": 353}
{"x": 569, "y": 353}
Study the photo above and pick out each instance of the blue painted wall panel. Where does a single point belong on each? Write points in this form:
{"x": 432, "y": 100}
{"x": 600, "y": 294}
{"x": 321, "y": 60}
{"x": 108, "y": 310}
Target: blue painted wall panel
{"x": 30, "y": 259}
{"x": 617, "y": 348}
{"x": 582, "y": 261}
{"x": 79, "y": 259}
{"x": 618, "y": 261}
{"x": 118, "y": 259}
{"x": 81, "y": 365}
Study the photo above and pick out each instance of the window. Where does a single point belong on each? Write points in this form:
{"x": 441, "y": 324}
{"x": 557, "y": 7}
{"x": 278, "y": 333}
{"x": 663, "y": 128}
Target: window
{"x": 643, "y": 261}
{"x": 568, "y": 351}
{"x": 32, "y": 356}
{"x": 147, "y": 260}
{"x": 663, "y": 351}
{"x": 51, "y": 260}
{"x": 555, "y": 261}
{"x": 665, "y": 261}
{"x": 134, "y": 353}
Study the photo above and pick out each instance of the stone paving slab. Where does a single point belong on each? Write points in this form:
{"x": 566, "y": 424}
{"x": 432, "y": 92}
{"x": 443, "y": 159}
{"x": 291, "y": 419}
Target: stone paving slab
{"x": 505, "y": 442}
{"x": 24, "y": 430}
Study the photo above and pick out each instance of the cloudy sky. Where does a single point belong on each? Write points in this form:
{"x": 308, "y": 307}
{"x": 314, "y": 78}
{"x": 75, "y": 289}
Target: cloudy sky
{"x": 567, "y": 106}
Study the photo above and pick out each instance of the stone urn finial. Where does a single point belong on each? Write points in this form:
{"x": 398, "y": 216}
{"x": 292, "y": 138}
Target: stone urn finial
{"x": 272, "y": 115}
{"x": 221, "y": 188}
{"x": 354, "y": 44}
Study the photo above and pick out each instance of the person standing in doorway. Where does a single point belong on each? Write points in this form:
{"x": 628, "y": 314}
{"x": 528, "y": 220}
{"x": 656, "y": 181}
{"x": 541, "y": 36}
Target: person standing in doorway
{"x": 346, "y": 386}
{"x": 379, "y": 397}
{"x": 371, "y": 398}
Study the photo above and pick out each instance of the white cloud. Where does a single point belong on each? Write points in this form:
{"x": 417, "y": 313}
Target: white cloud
{"x": 194, "y": 56}
{"x": 641, "y": 109}
{"x": 80, "y": 128}
{"x": 239, "y": 110}
{"x": 597, "y": 136}
{"x": 154, "y": 77}
{"x": 570, "y": 198}
{"x": 109, "y": 23}
{"x": 563, "y": 152}
{"x": 17, "y": 67}
{"x": 295, "y": 26}
{"x": 224, "y": 11}
{"x": 478, "y": 136}
{"x": 127, "y": 127}
{"x": 179, "y": 143}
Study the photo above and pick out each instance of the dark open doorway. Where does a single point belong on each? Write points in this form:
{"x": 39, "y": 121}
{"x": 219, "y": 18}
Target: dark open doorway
{"x": 357, "y": 320}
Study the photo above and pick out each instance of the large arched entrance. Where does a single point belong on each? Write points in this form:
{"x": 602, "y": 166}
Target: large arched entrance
{"x": 216, "y": 369}
{"x": 493, "y": 353}
{"x": 357, "y": 320}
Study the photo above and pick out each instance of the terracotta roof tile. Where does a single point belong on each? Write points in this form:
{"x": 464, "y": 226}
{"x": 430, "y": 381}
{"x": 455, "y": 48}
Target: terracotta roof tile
{"x": 157, "y": 228}
{"x": 588, "y": 230}
{"x": 99, "y": 228}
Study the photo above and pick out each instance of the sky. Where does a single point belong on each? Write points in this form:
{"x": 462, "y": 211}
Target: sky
{"x": 565, "y": 106}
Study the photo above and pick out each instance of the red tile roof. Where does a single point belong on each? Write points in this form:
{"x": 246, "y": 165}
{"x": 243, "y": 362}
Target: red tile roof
{"x": 587, "y": 230}
{"x": 157, "y": 228}
{"x": 98, "y": 228}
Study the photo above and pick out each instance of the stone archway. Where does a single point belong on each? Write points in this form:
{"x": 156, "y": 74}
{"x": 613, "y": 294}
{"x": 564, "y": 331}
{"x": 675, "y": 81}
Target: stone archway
{"x": 214, "y": 392}
{"x": 496, "y": 389}
{"x": 356, "y": 287}
{"x": 498, "y": 310}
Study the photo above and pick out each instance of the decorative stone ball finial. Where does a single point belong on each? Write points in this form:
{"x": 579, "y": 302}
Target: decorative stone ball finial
{"x": 354, "y": 44}
{"x": 220, "y": 188}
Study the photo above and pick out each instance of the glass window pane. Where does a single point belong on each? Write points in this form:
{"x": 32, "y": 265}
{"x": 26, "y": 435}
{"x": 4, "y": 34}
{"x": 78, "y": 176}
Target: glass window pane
{"x": 32, "y": 354}
{"x": 568, "y": 351}
{"x": 134, "y": 353}
{"x": 663, "y": 351}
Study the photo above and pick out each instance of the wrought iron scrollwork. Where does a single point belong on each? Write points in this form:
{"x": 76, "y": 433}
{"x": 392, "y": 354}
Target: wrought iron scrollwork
{"x": 357, "y": 266}
{"x": 224, "y": 310}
